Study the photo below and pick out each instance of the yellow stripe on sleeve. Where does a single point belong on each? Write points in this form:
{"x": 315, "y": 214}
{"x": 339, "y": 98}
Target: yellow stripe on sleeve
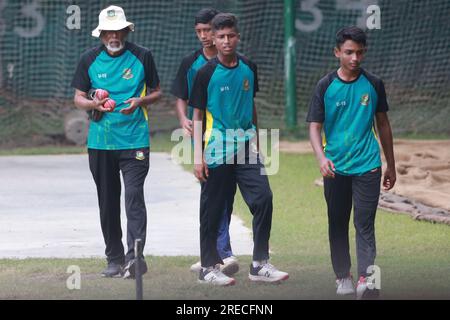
{"x": 144, "y": 109}
{"x": 209, "y": 125}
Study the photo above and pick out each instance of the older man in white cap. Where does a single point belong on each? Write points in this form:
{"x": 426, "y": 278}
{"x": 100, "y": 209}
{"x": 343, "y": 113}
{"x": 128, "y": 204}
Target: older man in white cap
{"x": 118, "y": 139}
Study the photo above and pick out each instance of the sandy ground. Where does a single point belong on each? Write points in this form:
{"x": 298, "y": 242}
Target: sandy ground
{"x": 423, "y": 169}
{"x": 423, "y": 175}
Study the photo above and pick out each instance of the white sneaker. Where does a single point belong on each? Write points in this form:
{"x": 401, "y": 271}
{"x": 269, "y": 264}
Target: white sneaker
{"x": 214, "y": 276}
{"x": 230, "y": 266}
{"x": 196, "y": 267}
{"x": 267, "y": 273}
{"x": 345, "y": 286}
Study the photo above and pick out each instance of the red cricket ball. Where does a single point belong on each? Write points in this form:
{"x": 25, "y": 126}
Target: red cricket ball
{"x": 110, "y": 104}
{"x": 101, "y": 94}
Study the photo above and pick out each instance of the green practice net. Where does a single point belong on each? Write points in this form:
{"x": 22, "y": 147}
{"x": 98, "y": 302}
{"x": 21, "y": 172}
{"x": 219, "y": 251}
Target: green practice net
{"x": 39, "y": 53}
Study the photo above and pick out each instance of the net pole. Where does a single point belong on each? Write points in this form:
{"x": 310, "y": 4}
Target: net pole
{"x": 289, "y": 65}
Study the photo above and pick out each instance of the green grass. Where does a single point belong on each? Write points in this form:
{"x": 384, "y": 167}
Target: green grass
{"x": 413, "y": 256}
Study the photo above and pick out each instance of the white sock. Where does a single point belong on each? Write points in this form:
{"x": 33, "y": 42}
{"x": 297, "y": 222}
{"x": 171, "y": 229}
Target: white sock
{"x": 258, "y": 263}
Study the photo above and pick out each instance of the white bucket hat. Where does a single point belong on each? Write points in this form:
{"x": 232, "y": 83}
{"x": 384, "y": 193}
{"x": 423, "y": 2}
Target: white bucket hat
{"x": 112, "y": 19}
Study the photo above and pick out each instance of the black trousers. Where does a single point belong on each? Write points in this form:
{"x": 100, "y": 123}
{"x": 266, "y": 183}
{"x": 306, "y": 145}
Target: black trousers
{"x": 340, "y": 193}
{"x": 105, "y": 166}
{"x": 215, "y": 193}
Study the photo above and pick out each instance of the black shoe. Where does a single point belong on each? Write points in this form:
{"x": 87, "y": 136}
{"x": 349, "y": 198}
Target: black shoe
{"x": 113, "y": 270}
{"x": 129, "y": 271}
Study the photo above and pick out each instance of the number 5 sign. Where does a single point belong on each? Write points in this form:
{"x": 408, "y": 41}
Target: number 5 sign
{"x": 366, "y": 7}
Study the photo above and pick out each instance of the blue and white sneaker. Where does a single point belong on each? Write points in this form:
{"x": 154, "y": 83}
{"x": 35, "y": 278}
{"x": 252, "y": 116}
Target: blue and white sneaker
{"x": 214, "y": 276}
{"x": 267, "y": 273}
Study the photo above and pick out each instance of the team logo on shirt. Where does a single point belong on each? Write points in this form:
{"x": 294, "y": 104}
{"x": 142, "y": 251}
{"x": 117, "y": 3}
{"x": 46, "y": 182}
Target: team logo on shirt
{"x": 365, "y": 99}
{"x": 140, "y": 155}
{"x": 127, "y": 75}
{"x": 246, "y": 85}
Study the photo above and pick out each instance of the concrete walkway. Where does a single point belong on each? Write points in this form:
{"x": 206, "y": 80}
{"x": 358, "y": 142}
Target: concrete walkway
{"x": 48, "y": 208}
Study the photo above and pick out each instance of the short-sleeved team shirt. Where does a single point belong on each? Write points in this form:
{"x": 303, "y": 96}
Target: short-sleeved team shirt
{"x": 131, "y": 74}
{"x": 347, "y": 111}
{"x": 227, "y": 96}
{"x": 184, "y": 81}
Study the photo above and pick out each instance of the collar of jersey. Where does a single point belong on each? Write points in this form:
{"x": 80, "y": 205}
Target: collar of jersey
{"x": 226, "y": 67}
{"x": 349, "y": 82}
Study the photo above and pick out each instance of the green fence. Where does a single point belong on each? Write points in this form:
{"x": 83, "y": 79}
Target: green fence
{"x": 39, "y": 53}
